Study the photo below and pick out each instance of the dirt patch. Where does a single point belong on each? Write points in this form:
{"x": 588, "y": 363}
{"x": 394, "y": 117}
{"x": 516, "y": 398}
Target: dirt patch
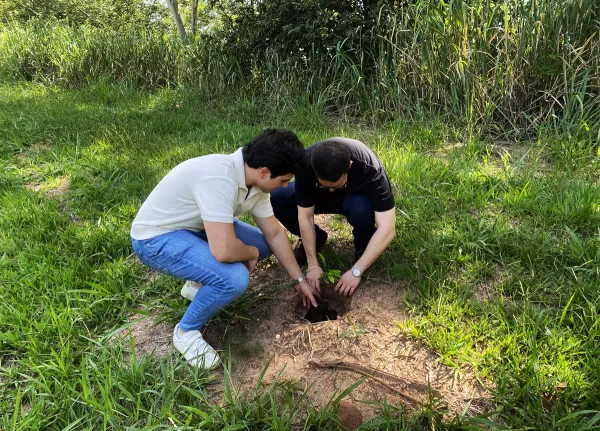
{"x": 486, "y": 290}
{"x": 36, "y": 148}
{"x": 56, "y": 187}
{"x": 149, "y": 337}
{"x": 25, "y": 407}
{"x": 514, "y": 151}
{"x": 444, "y": 153}
{"x": 367, "y": 338}
{"x": 514, "y": 222}
{"x": 523, "y": 155}
{"x": 150, "y": 276}
{"x": 337, "y": 228}
{"x": 60, "y": 188}
{"x": 500, "y": 156}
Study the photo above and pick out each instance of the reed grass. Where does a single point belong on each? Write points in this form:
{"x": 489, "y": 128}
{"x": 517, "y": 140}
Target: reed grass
{"x": 507, "y": 68}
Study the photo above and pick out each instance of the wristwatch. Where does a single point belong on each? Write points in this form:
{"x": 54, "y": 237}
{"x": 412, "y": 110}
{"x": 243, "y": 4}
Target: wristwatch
{"x": 301, "y": 278}
{"x": 356, "y": 272}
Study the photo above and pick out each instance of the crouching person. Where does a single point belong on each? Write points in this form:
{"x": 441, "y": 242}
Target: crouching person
{"x": 187, "y": 228}
{"x": 344, "y": 177}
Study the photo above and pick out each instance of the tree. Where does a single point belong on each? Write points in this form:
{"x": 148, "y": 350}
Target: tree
{"x": 174, "y": 8}
{"x": 115, "y": 14}
{"x": 194, "y": 12}
{"x": 293, "y": 28}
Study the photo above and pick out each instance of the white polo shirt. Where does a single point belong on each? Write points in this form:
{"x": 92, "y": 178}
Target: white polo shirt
{"x": 209, "y": 188}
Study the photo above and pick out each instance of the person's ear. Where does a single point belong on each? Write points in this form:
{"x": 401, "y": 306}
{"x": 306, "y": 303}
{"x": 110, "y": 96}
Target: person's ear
{"x": 264, "y": 173}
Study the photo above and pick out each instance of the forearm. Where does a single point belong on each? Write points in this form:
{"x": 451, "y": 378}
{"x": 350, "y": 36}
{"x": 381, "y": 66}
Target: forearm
{"x": 379, "y": 242}
{"x": 309, "y": 239}
{"x": 280, "y": 245}
{"x": 239, "y": 252}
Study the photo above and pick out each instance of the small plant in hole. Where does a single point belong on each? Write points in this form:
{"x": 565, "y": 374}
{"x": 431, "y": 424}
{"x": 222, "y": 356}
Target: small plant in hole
{"x": 330, "y": 275}
{"x": 355, "y": 331}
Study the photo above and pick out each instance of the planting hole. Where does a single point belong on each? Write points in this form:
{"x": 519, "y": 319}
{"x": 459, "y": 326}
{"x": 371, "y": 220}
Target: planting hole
{"x": 329, "y": 307}
{"x": 321, "y": 313}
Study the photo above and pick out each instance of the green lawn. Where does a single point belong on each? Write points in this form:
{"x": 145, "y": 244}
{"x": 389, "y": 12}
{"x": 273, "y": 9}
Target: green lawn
{"x": 498, "y": 241}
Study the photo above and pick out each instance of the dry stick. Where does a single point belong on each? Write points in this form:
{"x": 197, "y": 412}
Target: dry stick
{"x": 370, "y": 370}
{"x": 358, "y": 369}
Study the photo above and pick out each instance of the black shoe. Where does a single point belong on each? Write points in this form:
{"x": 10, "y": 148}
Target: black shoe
{"x": 299, "y": 251}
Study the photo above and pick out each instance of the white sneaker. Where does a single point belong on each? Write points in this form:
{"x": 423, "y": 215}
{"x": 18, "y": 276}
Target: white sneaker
{"x": 195, "y": 350}
{"x": 188, "y": 291}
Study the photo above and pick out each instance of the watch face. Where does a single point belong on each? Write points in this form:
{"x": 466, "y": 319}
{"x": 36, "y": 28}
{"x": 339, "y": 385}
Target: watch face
{"x": 356, "y": 272}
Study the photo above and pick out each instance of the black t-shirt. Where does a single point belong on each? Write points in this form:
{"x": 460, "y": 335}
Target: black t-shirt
{"x": 365, "y": 176}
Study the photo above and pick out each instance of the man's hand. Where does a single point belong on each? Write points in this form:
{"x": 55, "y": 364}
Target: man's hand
{"x": 347, "y": 284}
{"x": 251, "y": 263}
{"x": 313, "y": 276}
{"x": 307, "y": 293}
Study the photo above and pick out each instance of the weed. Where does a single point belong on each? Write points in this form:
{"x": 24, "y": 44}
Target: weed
{"x": 354, "y": 332}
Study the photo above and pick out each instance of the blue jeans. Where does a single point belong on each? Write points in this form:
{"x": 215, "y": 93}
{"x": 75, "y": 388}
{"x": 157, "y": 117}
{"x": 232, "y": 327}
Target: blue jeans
{"x": 185, "y": 254}
{"x": 357, "y": 208}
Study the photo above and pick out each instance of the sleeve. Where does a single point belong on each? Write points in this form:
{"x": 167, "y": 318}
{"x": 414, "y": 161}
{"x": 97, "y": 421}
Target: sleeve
{"x": 381, "y": 193}
{"x": 216, "y": 197}
{"x": 262, "y": 207}
{"x": 305, "y": 188}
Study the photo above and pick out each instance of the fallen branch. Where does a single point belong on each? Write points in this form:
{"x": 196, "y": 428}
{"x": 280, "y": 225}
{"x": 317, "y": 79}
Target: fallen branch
{"x": 367, "y": 372}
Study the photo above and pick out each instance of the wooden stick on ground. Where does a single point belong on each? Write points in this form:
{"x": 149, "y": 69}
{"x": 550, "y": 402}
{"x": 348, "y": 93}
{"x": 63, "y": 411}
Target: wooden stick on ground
{"x": 360, "y": 369}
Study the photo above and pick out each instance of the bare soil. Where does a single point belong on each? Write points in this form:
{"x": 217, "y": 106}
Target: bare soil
{"x": 325, "y": 358}
{"x": 58, "y": 189}
{"x": 52, "y": 189}
{"x": 396, "y": 368}
{"x": 487, "y": 290}
{"x": 35, "y": 148}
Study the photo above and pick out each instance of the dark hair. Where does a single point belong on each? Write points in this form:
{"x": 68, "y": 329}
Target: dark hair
{"x": 330, "y": 160}
{"x": 278, "y": 150}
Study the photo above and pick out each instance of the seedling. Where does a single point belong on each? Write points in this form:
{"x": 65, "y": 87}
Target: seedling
{"x": 355, "y": 331}
{"x": 330, "y": 275}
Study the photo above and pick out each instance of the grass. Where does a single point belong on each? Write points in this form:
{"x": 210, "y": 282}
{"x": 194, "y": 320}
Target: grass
{"x": 500, "y": 250}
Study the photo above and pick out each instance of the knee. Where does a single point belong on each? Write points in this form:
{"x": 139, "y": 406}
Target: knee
{"x": 238, "y": 279}
{"x": 358, "y": 209}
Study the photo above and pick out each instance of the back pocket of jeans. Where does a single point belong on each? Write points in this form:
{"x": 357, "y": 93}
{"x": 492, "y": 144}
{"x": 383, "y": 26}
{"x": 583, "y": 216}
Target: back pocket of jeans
{"x": 150, "y": 261}
{"x": 153, "y": 246}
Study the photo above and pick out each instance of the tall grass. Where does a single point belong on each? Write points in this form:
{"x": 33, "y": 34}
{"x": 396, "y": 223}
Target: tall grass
{"x": 509, "y": 66}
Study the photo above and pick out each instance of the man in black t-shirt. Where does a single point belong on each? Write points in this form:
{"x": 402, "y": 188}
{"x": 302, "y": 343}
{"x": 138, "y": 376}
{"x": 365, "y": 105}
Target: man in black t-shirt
{"x": 344, "y": 177}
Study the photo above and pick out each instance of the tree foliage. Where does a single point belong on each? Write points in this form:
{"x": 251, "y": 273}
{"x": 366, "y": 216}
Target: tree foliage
{"x": 247, "y": 27}
{"x": 294, "y": 28}
{"x": 115, "y": 14}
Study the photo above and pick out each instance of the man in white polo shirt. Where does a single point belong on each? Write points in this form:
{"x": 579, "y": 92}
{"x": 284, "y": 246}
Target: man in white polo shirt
{"x": 187, "y": 228}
